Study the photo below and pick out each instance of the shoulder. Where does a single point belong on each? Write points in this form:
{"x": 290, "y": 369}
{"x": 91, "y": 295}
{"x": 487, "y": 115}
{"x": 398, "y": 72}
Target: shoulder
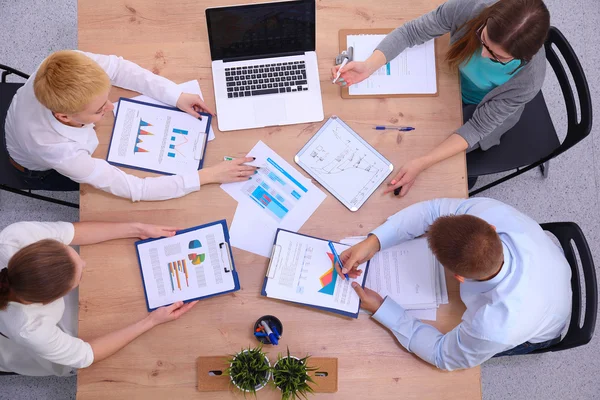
{"x": 21, "y": 234}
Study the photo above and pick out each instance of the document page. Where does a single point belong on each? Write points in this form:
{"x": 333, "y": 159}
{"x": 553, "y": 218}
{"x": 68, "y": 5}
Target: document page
{"x": 158, "y": 139}
{"x": 186, "y": 266}
{"x": 302, "y": 271}
{"x": 411, "y": 72}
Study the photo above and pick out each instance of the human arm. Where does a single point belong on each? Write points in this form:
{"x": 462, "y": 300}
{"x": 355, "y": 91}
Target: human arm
{"x": 408, "y": 173}
{"x": 107, "y": 345}
{"x": 456, "y": 349}
{"x": 98, "y": 173}
{"x": 97, "y": 232}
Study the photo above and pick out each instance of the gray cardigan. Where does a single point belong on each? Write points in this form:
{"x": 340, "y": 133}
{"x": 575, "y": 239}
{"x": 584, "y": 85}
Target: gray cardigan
{"x": 501, "y": 108}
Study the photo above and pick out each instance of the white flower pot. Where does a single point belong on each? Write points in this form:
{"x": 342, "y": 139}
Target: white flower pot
{"x": 258, "y": 387}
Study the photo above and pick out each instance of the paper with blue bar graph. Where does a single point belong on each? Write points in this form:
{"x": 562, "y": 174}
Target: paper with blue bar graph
{"x": 157, "y": 138}
{"x": 412, "y": 72}
{"x": 278, "y": 196}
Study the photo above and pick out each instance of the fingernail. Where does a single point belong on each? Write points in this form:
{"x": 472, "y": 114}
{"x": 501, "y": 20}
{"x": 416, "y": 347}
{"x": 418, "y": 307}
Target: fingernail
{"x": 354, "y": 284}
{"x": 344, "y": 271}
{"x": 256, "y": 172}
{"x": 393, "y": 182}
{"x": 343, "y": 83}
{"x": 253, "y": 158}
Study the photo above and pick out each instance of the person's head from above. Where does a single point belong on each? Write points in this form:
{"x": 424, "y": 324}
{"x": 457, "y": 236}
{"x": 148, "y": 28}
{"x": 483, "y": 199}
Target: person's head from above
{"x": 505, "y": 31}
{"x": 42, "y": 272}
{"x": 74, "y": 87}
{"x": 467, "y": 246}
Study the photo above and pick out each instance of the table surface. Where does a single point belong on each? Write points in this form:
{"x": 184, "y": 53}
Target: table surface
{"x": 170, "y": 39}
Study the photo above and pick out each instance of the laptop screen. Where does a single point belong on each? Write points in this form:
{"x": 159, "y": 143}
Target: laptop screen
{"x": 261, "y": 30}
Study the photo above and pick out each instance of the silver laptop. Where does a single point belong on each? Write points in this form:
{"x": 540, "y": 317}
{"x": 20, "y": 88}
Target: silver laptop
{"x": 264, "y": 64}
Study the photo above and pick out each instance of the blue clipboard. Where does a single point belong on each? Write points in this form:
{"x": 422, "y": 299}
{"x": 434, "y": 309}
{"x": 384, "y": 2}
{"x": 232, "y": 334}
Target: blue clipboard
{"x": 233, "y": 271}
{"x": 263, "y": 291}
{"x": 200, "y": 162}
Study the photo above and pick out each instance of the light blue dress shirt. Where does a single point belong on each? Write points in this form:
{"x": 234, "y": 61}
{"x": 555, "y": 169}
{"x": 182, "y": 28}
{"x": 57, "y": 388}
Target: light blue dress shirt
{"x": 528, "y": 300}
{"x": 479, "y": 75}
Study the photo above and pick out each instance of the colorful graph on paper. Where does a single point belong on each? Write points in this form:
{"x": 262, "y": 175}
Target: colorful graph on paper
{"x": 196, "y": 258}
{"x": 174, "y": 144}
{"x": 142, "y": 132}
{"x": 328, "y": 278}
{"x": 177, "y": 272}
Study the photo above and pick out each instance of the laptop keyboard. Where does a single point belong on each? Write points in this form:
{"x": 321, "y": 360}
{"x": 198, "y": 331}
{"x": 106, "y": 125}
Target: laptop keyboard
{"x": 264, "y": 79}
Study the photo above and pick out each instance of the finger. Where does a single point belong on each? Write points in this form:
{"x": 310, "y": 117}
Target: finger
{"x": 247, "y": 168}
{"x": 359, "y": 291}
{"x": 245, "y": 173}
{"x": 395, "y": 183}
{"x": 182, "y": 310}
{"x": 192, "y": 112}
{"x": 337, "y": 268}
{"x": 345, "y": 255}
{"x": 334, "y": 71}
{"x": 350, "y": 265}
{"x": 355, "y": 273}
{"x": 406, "y": 188}
{"x": 243, "y": 160}
{"x": 174, "y": 306}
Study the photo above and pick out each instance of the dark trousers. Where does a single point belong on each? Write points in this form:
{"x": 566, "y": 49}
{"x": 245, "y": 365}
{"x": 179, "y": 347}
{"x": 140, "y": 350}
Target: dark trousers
{"x": 526, "y": 348}
{"x": 48, "y": 180}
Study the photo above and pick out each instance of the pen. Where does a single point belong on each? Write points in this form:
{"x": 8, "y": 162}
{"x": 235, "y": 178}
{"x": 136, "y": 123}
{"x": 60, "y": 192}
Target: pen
{"x": 274, "y": 329}
{"x": 270, "y": 334}
{"x": 340, "y": 70}
{"x": 397, "y": 191}
{"x": 396, "y": 128}
{"x": 337, "y": 258}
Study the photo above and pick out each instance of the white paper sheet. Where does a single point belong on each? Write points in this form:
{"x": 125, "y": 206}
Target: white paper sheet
{"x": 278, "y": 196}
{"x": 411, "y": 72}
{"x": 301, "y": 270}
{"x": 185, "y": 266}
{"x": 344, "y": 163}
{"x": 157, "y": 139}
{"x": 187, "y": 87}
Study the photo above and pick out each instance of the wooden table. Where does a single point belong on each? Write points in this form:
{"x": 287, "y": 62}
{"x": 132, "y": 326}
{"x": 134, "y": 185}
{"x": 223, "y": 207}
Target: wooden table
{"x": 170, "y": 39}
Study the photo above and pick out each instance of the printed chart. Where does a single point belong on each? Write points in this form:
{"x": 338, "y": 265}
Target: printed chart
{"x": 328, "y": 278}
{"x": 159, "y": 139}
{"x": 186, "y": 266}
{"x": 344, "y": 163}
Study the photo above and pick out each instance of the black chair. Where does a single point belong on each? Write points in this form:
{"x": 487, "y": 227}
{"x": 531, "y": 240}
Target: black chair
{"x": 10, "y": 179}
{"x": 533, "y": 141}
{"x": 578, "y": 334}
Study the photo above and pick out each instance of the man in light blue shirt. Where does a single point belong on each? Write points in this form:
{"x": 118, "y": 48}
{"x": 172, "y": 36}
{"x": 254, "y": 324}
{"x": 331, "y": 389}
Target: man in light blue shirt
{"x": 515, "y": 282}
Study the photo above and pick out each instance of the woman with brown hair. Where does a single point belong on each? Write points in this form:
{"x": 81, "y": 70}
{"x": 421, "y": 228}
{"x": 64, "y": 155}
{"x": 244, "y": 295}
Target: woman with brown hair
{"x": 38, "y": 304}
{"x": 497, "y": 47}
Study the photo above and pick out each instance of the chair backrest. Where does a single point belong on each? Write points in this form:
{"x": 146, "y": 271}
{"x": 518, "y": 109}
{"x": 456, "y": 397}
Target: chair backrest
{"x": 577, "y": 130}
{"x": 569, "y": 233}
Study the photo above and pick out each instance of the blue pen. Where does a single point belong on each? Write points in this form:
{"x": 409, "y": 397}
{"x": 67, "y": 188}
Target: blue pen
{"x": 270, "y": 334}
{"x": 396, "y": 128}
{"x": 336, "y": 258}
{"x": 274, "y": 329}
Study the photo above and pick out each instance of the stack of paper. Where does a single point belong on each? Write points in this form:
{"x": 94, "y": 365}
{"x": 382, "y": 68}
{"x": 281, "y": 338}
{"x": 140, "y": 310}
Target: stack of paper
{"x": 409, "y": 274}
{"x": 278, "y": 196}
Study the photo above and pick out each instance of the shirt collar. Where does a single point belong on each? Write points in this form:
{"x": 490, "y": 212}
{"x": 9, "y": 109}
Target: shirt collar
{"x": 474, "y": 286}
{"x": 69, "y": 132}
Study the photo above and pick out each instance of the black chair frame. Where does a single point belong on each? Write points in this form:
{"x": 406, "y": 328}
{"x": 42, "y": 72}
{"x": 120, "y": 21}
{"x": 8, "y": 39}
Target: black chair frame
{"x": 5, "y": 72}
{"x": 576, "y": 335}
{"x": 576, "y": 130}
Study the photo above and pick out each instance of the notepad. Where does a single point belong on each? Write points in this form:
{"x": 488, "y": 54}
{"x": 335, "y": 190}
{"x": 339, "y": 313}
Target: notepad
{"x": 412, "y": 72}
{"x": 158, "y": 138}
{"x": 194, "y": 264}
{"x": 301, "y": 270}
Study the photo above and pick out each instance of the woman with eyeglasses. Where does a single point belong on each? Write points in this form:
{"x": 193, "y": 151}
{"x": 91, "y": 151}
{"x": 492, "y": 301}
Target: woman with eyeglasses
{"x": 497, "y": 47}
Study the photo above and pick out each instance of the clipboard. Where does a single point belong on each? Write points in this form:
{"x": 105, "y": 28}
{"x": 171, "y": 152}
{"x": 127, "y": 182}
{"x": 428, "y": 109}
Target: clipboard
{"x": 110, "y": 143}
{"x": 274, "y": 259}
{"x": 343, "y": 41}
{"x": 225, "y": 256}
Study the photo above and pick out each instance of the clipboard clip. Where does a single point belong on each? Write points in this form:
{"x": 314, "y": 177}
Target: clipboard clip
{"x": 349, "y": 54}
{"x": 225, "y": 246}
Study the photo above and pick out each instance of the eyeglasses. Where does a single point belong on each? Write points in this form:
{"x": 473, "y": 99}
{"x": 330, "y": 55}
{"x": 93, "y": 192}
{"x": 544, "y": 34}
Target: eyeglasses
{"x": 494, "y": 57}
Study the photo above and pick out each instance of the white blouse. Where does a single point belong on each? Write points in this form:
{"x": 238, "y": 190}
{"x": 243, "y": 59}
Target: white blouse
{"x": 40, "y": 338}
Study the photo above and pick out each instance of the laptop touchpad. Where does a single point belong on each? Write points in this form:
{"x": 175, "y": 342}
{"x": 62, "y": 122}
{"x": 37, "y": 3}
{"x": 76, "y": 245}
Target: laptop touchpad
{"x": 270, "y": 112}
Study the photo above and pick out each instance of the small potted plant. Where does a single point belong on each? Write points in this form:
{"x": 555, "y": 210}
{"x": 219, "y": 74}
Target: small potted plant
{"x": 290, "y": 375}
{"x": 249, "y": 370}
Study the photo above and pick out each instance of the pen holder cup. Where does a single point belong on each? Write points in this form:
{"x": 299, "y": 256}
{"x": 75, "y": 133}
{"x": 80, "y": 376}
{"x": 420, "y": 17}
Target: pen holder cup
{"x": 271, "y": 321}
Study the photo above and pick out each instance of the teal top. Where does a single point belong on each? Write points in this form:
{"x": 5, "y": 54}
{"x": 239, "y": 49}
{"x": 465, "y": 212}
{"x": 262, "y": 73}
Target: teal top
{"x": 480, "y": 75}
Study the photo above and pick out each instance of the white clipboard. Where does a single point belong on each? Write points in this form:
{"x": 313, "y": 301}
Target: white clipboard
{"x": 344, "y": 163}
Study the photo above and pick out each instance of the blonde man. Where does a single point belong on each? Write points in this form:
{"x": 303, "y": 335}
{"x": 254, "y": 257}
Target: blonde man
{"x": 50, "y": 127}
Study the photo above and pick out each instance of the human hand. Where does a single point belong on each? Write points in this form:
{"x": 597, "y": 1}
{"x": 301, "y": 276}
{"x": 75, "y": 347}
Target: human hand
{"x": 170, "y": 313}
{"x": 354, "y": 256}
{"x": 406, "y": 177}
{"x": 370, "y": 300}
{"x": 193, "y": 104}
{"x": 353, "y": 72}
{"x": 146, "y": 231}
{"x": 228, "y": 171}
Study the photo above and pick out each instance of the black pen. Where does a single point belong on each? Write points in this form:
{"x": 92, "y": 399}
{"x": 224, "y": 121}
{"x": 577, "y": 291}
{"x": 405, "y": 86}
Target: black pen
{"x": 397, "y": 191}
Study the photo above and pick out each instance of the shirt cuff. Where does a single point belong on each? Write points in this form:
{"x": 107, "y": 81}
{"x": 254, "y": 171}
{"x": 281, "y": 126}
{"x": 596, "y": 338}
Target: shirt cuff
{"x": 389, "y": 313}
{"x": 67, "y": 232}
{"x": 172, "y": 94}
{"x": 386, "y": 234}
{"x": 191, "y": 182}
{"x": 469, "y": 133}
